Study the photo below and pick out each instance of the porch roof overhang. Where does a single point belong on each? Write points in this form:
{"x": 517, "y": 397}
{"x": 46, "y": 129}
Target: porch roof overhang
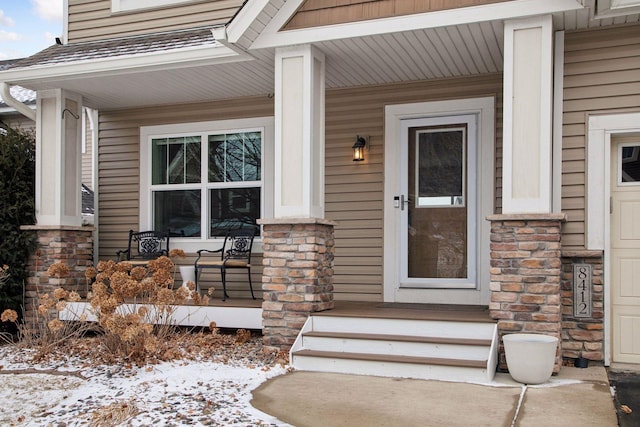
{"x": 174, "y": 67}
{"x": 237, "y": 60}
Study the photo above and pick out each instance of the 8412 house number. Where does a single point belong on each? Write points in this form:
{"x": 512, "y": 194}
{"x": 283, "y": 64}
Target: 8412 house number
{"x": 582, "y": 300}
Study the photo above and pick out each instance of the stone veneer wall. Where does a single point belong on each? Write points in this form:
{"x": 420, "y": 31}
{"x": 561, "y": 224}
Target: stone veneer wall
{"x": 297, "y": 278}
{"x": 583, "y": 337}
{"x": 525, "y": 276}
{"x": 71, "y": 245}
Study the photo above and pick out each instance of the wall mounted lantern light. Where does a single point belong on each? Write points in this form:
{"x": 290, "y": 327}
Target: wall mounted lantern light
{"x": 362, "y": 142}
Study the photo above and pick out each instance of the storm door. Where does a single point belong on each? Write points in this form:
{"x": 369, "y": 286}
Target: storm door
{"x": 437, "y": 203}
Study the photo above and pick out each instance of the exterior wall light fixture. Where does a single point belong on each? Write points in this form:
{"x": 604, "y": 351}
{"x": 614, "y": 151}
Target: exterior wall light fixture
{"x": 362, "y": 142}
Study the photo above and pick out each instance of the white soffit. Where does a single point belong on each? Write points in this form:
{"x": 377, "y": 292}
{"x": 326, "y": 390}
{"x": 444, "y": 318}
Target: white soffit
{"x": 271, "y": 36}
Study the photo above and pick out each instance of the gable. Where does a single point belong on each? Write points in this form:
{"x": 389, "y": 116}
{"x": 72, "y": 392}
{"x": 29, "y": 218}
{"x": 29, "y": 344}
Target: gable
{"x": 91, "y": 20}
{"x": 316, "y": 13}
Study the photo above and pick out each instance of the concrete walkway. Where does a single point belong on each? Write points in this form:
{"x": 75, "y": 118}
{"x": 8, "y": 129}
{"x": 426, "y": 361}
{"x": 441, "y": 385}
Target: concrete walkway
{"x": 575, "y": 397}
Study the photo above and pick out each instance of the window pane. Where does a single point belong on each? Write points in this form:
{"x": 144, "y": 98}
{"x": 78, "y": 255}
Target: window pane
{"x": 630, "y": 164}
{"x": 235, "y": 157}
{"x": 176, "y": 160}
{"x": 178, "y": 211}
{"x": 441, "y": 168}
{"x": 233, "y": 208}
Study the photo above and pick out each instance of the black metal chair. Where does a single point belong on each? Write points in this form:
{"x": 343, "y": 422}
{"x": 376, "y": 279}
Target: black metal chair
{"x": 144, "y": 246}
{"x": 234, "y": 254}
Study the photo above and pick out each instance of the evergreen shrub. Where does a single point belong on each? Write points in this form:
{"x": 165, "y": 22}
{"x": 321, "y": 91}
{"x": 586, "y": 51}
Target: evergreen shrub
{"x": 17, "y": 207}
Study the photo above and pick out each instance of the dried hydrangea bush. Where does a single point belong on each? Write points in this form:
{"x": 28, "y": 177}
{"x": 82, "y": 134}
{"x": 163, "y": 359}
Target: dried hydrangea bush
{"x": 132, "y": 307}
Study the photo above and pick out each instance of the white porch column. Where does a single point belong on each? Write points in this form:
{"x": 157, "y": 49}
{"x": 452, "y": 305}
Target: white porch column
{"x": 299, "y": 133}
{"x": 58, "y": 158}
{"x": 528, "y": 108}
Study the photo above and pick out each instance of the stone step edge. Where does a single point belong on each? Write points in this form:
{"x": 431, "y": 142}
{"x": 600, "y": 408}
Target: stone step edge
{"x": 400, "y": 338}
{"x": 462, "y": 363}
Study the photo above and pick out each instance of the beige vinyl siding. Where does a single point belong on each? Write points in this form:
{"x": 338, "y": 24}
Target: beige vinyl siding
{"x": 93, "y": 20}
{"x": 315, "y": 13}
{"x": 354, "y": 190}
{"x": 601, "y": 75}
{"x": 119, "y": 173}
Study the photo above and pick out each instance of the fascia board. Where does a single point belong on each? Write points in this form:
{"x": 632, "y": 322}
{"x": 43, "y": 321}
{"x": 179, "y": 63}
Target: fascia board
{"x": 246, "y": 16}
{"x": 273, "y": 37}
{"x": 155, "y": 61}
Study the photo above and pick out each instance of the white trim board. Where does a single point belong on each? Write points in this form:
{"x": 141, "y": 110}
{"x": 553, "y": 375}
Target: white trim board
{"x": 527, "y": 118}
{"x": 272, "y": 36}
{"x": 601, "y": 127}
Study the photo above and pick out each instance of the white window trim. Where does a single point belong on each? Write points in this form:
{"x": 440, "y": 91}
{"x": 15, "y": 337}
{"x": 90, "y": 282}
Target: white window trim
{"x": 147, "y": 133}
{"x": 134, "y": 5}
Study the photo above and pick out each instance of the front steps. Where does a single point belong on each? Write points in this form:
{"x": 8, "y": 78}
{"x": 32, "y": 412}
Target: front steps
{"x": 445, "y": 350}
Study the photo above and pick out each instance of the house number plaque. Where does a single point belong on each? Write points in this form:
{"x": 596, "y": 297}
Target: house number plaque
{"x": 582, "y": 298}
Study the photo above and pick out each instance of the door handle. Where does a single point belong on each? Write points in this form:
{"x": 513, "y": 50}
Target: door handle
{"x": 400, "y": 201}
{"x": 403, "y": 201}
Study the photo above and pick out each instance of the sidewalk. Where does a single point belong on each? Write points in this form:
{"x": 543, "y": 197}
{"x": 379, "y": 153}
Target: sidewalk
{"x": 575, "y": 397}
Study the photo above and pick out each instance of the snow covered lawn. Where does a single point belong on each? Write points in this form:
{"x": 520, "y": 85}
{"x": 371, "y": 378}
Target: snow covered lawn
{"x": 65, "y": 390}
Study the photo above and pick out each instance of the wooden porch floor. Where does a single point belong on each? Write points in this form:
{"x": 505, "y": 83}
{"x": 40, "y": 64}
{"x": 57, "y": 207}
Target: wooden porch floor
{"x": 247, "y": 313}
{"x": 447, "y": 312}
{"x": 460, "y": 313}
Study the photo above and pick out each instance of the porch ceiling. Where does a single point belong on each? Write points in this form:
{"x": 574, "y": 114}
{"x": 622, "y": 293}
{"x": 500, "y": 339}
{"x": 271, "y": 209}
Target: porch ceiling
{"x": 408, "y": 56}
{"x": 434, "y": 53}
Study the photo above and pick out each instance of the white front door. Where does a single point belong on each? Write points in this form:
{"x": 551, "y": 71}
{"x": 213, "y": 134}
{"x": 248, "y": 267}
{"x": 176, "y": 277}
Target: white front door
{"x": 438, "y": 192}
{"x": 625, "y": 249}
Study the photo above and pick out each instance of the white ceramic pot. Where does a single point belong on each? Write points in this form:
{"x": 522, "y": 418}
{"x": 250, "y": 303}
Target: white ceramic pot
{"x": 188, "y": 273}
{"x": 530, "y": 357}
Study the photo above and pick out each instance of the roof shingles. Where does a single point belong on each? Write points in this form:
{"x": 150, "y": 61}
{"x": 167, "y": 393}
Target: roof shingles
{"x": 161, "y": 42}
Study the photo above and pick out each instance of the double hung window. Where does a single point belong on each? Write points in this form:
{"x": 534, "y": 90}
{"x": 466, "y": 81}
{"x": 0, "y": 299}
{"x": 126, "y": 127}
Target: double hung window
{"x": 200, "y": 183}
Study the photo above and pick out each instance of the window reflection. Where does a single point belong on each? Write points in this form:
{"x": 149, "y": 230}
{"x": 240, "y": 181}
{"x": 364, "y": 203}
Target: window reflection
{"x": 630, "y": 164}
{"x": 177, "y": 211}
{"x": 176, "y": 160}
{"x": 235, "y": 157}
{"x": 233, "y": 208}
{"x": 440, "y": 171}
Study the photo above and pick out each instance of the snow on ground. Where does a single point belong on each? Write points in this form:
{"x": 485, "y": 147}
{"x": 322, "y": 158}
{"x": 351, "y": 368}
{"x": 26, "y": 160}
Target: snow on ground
{"x": 72, "y": 392}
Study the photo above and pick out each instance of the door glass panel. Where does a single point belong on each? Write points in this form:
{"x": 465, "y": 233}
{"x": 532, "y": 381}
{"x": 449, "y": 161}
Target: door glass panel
{"x": 437, "y": 208}
{"x": 630, "y": 163}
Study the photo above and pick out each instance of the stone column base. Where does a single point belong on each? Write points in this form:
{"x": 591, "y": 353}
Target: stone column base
{"x": 525, "y": 276}
{"x": 68, "y": 244}
{"x": 297, "y": 279}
